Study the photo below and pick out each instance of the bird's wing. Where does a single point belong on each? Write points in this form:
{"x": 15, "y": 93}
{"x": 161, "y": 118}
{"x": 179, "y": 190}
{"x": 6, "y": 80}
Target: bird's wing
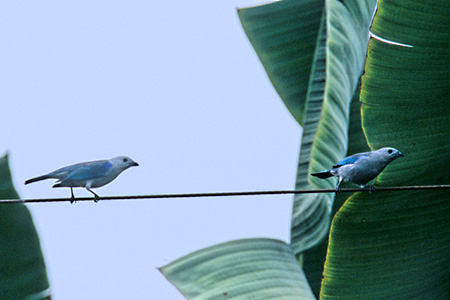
{"x": 90, "y": 170}
{"x": 66, "y": 170}
{"x": 351, "y": 159}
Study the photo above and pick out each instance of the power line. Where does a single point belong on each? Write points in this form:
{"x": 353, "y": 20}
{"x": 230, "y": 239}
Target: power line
{"x": 230, "y": 194}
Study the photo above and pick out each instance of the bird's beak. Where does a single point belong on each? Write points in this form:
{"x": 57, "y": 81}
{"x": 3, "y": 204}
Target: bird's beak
{"x": 135, "y": 164}
{"x": 399, "y": 154}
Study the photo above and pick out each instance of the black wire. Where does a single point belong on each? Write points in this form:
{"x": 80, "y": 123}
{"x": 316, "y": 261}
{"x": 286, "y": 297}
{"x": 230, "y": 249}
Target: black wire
{"x": 230, "y": 194}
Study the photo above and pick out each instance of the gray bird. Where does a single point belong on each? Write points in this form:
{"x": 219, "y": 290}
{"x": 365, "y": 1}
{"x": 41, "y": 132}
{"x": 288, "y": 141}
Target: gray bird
{"x": 92, "y": 174}
{"x": 361, "y": 168}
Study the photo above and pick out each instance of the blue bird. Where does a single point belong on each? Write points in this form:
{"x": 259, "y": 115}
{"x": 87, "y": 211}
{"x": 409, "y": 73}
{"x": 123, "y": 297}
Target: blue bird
{"x": 361, "y": 168}
{"x": 92, "y": 174}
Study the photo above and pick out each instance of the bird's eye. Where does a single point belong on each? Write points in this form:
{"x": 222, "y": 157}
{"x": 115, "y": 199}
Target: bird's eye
{"x": 125, "y": 160}
{"x": 390, "y": 151}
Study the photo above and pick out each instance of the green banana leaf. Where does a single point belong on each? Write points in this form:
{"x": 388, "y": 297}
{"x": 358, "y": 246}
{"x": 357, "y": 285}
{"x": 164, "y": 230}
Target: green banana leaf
{"x": 241, "y": 269}
{"x": 325, "y": 135}
{"x": 347, "y": 22}
{"x": 333, "y": 51}
{"x": 22, "y": 268}
{"x": 285, "y": 35}
{"x": 313, "y": 259}
{"x": 396, "y": 245}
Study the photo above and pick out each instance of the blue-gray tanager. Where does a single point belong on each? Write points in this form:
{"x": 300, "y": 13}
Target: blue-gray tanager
{"x": 361, "y": 168}
{"x": 92, "y": 174}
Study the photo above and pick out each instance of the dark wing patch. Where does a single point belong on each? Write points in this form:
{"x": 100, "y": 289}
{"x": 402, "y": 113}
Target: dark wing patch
{"x": 322, "y": 175}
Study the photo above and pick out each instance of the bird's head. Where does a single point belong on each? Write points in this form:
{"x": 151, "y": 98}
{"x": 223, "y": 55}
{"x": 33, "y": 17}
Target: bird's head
{"x": 123, "y": 162}
{"x": 390, "y": 153}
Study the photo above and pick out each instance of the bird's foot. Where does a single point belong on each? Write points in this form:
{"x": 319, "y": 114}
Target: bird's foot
{"x": 96, "y": 197}
{"x": 371, "y": 189}
{"x": 337, "y": 190}
{"x": 72, "y": 196}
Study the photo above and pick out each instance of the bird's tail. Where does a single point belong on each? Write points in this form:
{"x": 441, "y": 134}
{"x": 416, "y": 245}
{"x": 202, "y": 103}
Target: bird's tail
{"x": 39, "y": 178}
{"x": 322, "y": 175}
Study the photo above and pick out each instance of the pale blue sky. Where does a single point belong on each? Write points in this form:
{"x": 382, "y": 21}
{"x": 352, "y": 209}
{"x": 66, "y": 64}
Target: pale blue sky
{"x": 174, "y": 85}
